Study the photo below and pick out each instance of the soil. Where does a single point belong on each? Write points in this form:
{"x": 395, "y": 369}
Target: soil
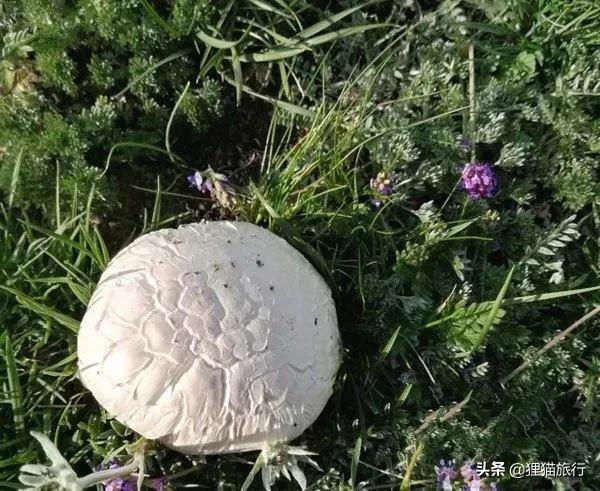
{"x": 232, "y": 146}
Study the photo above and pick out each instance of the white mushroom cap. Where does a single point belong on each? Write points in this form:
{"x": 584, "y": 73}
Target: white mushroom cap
{"x": 214, "y": 337}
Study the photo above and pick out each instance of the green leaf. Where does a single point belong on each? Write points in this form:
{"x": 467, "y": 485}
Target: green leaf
{"x": 69, "y": 359}
{"x": 549, "y": 296}
{"x": 280, "y": 52}
{"x": 459, "y": 228}
{"x": 324, "y": 24}
{"x": 287, "y": 106}
{"x": 298, "y": 475}
{"x": 15, "y": 179}
{"x": 390, "y": 344}
{"x": 284, "y": 78}
{"x": 81, "y": 292}
{"x": 63, "y": 239}
{"x": 238, "y": 75}
{"x": 157, "y": 203}
{"x": 355, "y": 459}
{"x": 260, "y": 462}
{"x": 261, "y": 4}
{"x": 172, "y": 118}
{"x": 216, "y": 43}
{"x": 14, "y": 386}
{"x": 159, "y": 20}
{"x": 273, "y": 54}
{"x": 33, "y": 305}
{"x": 495, "y": 309}
{"x": 157, "y": 65}
{"x": 405, "y": 485}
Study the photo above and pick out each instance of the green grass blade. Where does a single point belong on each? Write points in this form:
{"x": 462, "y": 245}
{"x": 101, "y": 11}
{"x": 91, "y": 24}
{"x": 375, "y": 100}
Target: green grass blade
{"x": 61, "y": 238}
{"x": 82, "y": 293}
{"x": 284, "y": 78}
{"x": 549, "y": 296}
{"x": 238, "y": 76}
{"x": 171, "y": 119}
{"x": 258, "y": 464}
{"x": 216, "y": 43}
{"x": 324, "y": 24}
{"x": 157, "y": 203}
{"x": 459, "y": 228}
{"x": 341, "y": 33}
{"x": 16, "y": 394}
{"x": 540, "y": 297}
{"x": 278, "y": 53}
{"x": 159, "y": 20}
{"x": 261, "y": 4}
{"x": 287, "y": 106}
{"x": 405, "y": 485}
{"x": 390, "y": 344}
{"x": 57, "y": 194}
{"x": 69, "y": 359}
{"x": 43, "y": 310}
{"x": 154, "y": 67}
{"x": 50, "y": 389}
{"x": 494, "y": 311}
{"x": 15, "y": 179}
{"x": 264, "y": 202}
{"x": 105, "y": 255}
{"x": 144, "y": 146}
{"x": 355, "y": 459}
{"x": 281, "y": 52}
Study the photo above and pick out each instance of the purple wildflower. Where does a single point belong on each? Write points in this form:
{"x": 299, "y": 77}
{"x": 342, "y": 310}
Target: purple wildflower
{"x": 218, "y": 185}
{"x": 197, "y": 181}
{"x": 474, "y": 485}
{"x": 159, "y": 483}
{"x": 479, "y": 180}
{"x": 118, "y": 483}
{"x": 382, "y": 184}
{"x": 446, "y": 472}
{"x": 472, "y": 480}
{"x": 468, "y": 472}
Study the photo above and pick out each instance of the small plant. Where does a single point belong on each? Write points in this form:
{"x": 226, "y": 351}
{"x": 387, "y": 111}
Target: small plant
{"x": 59, "y": 474}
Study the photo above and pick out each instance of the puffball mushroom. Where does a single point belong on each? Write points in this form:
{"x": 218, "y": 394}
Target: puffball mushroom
{"x": 214, "y": 337}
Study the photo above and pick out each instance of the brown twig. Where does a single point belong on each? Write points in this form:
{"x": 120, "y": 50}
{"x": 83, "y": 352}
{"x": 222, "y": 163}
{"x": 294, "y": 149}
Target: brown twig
{"x": 550, "y": 344}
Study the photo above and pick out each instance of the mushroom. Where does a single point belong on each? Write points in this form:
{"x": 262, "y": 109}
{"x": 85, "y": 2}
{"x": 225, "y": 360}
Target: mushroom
{"x": 214, "y": 337}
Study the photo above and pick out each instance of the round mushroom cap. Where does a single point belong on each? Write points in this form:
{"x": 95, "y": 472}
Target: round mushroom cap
{"x": 214, "y": 337}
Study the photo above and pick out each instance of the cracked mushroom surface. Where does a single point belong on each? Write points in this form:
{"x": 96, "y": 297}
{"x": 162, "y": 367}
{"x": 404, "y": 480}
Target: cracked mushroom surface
{"x": 214, "y": 337}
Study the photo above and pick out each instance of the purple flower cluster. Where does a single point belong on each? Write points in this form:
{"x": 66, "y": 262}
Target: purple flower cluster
{"x": 160, "y": 483}
{"x": 217, "y": 185}
{"x": 471, "y": 481}
{"x": 197, "y": 181}
{"x": 128, "y": 484}
{"x": 118, "y": 483}
{"x": 382, "y": 186}
{"x": 479, "y": 180}
{"x": 446, "y": 472}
